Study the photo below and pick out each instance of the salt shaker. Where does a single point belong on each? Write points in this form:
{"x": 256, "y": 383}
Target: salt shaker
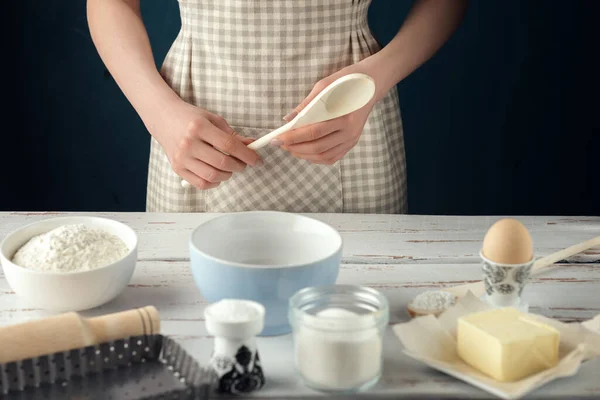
{"x": 235, "y": 360}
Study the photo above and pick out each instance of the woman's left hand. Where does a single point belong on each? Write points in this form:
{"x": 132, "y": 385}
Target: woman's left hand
{"x": 326, "y": 142}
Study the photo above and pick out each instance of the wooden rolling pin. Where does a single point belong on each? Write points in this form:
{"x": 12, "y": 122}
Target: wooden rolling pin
{"x": 70, "y": 331}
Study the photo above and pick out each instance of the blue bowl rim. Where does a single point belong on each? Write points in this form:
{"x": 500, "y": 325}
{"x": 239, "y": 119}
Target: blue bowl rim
{"x": 337, "y": 250}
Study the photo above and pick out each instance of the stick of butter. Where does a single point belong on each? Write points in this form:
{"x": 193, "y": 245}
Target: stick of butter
{"x": 506, "y": 344}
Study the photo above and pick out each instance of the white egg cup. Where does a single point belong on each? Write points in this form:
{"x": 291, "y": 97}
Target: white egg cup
{"x": 504, "y": 283}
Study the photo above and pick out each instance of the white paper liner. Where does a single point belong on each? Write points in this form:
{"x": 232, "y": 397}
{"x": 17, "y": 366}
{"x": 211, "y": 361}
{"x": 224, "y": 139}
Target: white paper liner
{"x": 433, "y": 341}
{"x": 593, "y": 324}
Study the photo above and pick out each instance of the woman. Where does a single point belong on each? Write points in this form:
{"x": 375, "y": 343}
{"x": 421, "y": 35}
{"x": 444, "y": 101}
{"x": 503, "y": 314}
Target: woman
{"x": 237, "y": 67}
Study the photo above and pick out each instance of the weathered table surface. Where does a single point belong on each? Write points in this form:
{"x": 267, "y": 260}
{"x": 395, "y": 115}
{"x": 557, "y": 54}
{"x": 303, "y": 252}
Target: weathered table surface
{"x": 399, "y": 255}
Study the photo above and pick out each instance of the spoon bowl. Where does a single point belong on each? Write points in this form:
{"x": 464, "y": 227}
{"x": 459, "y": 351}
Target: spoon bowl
{"x": 343, "y": 96}
{"x": 351, "y": 93}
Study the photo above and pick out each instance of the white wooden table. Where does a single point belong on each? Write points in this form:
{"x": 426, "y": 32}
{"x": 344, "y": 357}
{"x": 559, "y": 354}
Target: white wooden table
{"x": 399, "y": 255}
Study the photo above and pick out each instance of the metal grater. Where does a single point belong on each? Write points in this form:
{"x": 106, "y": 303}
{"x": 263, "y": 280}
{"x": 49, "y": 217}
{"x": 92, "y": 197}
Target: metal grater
{"x": 140, "y": 367}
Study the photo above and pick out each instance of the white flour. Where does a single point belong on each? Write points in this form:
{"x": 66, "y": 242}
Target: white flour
{"x": 343, "y": 356}
{"x": 71, "y": 248}
{"x": 433, "y": 300}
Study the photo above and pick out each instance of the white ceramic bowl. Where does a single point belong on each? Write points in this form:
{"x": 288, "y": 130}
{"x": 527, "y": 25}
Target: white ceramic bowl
{"x": 70, "y": 291}
{"x": 266, "y": 257}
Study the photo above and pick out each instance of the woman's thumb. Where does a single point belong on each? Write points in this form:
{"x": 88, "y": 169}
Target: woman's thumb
{"x": 244, "y": 139}
{"x": 313, "y": 93}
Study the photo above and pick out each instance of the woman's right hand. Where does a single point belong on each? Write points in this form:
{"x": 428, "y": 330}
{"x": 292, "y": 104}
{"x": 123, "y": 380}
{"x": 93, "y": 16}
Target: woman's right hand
{"x": 188, "y": 134}
{"x": 195, "y": 141}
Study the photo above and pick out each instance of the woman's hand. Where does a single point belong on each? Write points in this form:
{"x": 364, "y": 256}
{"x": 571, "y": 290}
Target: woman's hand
{"x": 326, "y": 142}
{"x": 189, "y": 135}
{"x": 426, "y": 28}
{"x": 195, "y": 141}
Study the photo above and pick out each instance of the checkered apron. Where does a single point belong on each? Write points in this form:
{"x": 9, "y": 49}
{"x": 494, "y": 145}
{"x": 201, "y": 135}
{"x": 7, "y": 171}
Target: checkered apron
{"x": 252, "y": 62}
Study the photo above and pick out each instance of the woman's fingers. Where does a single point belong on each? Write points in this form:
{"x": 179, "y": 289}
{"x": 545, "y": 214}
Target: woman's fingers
{"x": 197, "y": 181}
{"x": 220, "y": 123}
{"x": 310, "y": 132}
{"x": 208, "y": 172}
{"x": 230, "y": 144}
{"x": 211, "y": 156}
{"x": 210, "y": 167}
{"x": 318, "y": 146}
{"x": 245, "y": 140}
{"x": 328, "y": 157}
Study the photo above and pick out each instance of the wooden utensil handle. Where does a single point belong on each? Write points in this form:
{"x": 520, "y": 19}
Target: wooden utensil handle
{"x": 566, "y": 253}
{"x": 70, "y": 331}
{"x": 266, "y": 139}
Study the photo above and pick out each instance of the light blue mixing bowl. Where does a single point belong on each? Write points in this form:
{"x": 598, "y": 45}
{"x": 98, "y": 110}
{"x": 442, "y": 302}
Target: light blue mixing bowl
{"x": 264, "y": 256}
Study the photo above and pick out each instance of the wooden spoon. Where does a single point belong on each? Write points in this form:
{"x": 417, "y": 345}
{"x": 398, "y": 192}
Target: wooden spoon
{"x": 343, "y": 96}
{"x": 478, "y": 288}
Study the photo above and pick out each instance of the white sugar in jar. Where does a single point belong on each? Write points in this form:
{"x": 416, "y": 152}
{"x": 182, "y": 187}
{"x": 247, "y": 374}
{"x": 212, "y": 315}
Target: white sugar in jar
{"x": 338, "y": 334}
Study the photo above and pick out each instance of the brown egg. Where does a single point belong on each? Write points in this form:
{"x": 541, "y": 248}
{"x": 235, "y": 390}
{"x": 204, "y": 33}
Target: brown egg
{"x": 508, "y": 242}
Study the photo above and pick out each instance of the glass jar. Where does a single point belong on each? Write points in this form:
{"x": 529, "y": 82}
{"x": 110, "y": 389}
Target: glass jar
{"x": 338, "y": 334}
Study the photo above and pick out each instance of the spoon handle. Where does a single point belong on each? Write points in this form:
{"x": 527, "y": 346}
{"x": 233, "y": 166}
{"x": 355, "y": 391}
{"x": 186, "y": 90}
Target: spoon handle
{"x": 266, "y": 139}
{"x": 478, "y": 289}
{"x": 550, "y": 259}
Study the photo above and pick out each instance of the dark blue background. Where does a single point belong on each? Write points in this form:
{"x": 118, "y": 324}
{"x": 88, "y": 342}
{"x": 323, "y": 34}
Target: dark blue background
{"x": 503, "y": 120}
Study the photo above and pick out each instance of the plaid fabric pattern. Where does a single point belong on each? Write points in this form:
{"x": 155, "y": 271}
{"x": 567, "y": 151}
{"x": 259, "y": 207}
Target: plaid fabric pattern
{"x": 252, "y": 61}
